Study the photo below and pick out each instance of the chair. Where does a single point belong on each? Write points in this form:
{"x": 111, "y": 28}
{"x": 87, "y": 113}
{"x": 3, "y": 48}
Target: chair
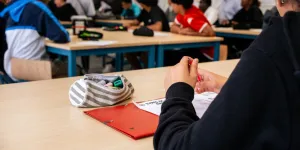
{"x": 31, "y": 70}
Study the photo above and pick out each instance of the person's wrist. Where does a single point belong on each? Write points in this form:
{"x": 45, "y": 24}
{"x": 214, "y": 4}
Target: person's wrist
{"x": 180, "y": 90}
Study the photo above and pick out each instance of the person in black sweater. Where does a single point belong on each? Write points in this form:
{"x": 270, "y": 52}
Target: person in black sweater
{"x": 64, "y": 11}
{"x": 257, "y": 108}
{"x": 250, "y": 15}
{"x": 153, "y": 18}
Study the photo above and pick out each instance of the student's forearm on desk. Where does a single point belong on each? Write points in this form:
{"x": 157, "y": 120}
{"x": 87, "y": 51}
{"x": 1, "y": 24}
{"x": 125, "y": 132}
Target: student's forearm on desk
{"x": 207, "y": 31}
{"x": 175, "y": 29}
{"x": 134, "y": 23}
{"x": 155, "y": 27}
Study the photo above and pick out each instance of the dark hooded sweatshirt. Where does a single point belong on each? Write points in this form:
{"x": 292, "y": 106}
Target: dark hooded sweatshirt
{"x": 257, "y": 109}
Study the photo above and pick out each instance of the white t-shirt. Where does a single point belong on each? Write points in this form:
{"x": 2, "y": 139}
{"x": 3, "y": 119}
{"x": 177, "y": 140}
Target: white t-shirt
{"x": 83, "y": 7}
{"x": 211, "y": 14}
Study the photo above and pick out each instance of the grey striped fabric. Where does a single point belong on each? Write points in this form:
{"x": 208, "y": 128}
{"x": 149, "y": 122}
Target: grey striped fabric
{"x": 87, "y": 92}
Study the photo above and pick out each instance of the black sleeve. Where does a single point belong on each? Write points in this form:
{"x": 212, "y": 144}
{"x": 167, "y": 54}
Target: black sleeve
{"x": 157, "y": 15}
{"x": 238, "y": 16}
{"x": 141, "y": 16}
{"x": 227, "y": 120}
{"x": 73, "y": 11}
{"x": 257, "y": 19}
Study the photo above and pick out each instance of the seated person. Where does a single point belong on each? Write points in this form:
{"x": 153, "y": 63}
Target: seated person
{"x": 26, "y": 30}
{"x": 83, "y": 7}
{"x": 210, "y": 13}
{"x": 256, "y": 109}
{"x": 64, "y": 11}
{"x": 228, "y": 9}
{"x": 189, "y": 21}
{"x": 153, "y": 18}
{"x": 130, "y": 10}
{"x": 249, "y": 15}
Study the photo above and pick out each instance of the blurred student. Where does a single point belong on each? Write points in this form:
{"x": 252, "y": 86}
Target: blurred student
{"x": 250, "y": 15}
{"x": 227, "y": 11}
{"x": 189, "y": 21}
{"x": 153, "y": 18}
{"x": 83, "y": 7}
{"x": 28, "y": 22}
{"x": 64, "y": 11}
{"x": 130, "y": 10}
{"x": 210, "y": 13}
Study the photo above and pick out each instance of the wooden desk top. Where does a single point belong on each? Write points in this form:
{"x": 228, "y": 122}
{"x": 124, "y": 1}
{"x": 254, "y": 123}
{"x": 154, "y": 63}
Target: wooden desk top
{"x": 101, "y": 20}
{"x": 127, "y": 39}
{"x": 114, "y": 21}
{"x": 65, "y": 22}
{"x": 38, "y": 115}
{"x": 244, "y": 32}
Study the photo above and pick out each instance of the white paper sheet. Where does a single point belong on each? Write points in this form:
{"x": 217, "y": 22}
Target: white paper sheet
{"x": 160, "y": 34}
{"x": 201, "y": 102}
{"x": 95, "y": 43}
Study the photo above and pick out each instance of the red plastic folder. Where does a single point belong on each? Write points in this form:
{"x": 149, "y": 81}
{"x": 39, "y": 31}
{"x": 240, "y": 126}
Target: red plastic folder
{"x": 127, "y": 119}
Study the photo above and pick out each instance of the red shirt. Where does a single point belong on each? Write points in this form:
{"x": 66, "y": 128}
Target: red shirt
{"x": 195, "y": 19}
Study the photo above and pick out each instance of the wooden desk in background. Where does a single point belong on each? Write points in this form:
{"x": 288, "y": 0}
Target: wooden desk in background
{"x": 111, "y": 23}
{"x": 122, "y": 42}
{"x": 100, "y": 23}
{"x": 66, "y": 24}
{"x": 38, "y": 115}
{"x": 126, "y": 42}
{"x": 244, "y": 34}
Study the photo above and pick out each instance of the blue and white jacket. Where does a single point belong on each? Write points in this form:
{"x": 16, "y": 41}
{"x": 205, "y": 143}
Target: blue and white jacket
{"x": 28, "y": 22}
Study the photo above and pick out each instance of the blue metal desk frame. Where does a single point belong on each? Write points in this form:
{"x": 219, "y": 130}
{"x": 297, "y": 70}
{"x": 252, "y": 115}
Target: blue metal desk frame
{"x": 232, "y": 35}
{"x": 72, "y": 54}
{"x": 162, "y": 48}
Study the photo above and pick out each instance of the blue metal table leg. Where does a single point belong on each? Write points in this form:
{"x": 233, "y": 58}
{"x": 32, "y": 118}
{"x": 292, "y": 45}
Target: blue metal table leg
{"x": 216, "y": 51}
{"x": 122, "y": 61}
{"x": 72, "y": 63}
{"x": 160, "y": 56}
{"x": 103, "y": 61}
{"x": 118, "y": 61}
{"x": 151, "y": 57}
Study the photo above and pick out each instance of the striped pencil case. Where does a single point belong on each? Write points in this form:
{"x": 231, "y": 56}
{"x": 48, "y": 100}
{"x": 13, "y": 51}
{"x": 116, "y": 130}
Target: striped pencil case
{"x": 95, "y": 90}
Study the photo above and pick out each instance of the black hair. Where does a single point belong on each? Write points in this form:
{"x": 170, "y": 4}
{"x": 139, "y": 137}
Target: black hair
{"x": 256, "y": 3}
{"x": 127, "y": 1}
{"x": 148, "y": 2}
{"x": 208, "y": 2}
{"x": 185, "y": 3}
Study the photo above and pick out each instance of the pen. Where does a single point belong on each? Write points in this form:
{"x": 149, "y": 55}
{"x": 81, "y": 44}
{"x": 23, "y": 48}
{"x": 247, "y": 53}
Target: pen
{"x": 199, "y": 79}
